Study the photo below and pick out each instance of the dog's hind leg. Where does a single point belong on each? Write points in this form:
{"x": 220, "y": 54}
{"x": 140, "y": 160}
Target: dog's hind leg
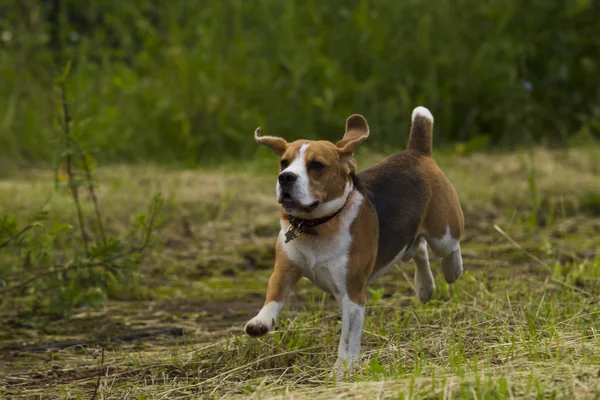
{"x": 452, "y": 265}
{"x": 424, "y": 283}
{"x": 449, "y": 249}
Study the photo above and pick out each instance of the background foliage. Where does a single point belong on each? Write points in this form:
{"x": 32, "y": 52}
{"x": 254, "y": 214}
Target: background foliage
{"x": 187, "y": 82}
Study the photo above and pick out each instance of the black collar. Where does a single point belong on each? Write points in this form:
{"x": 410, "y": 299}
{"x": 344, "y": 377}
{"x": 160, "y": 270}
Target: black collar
{"x": 301, "y": 225}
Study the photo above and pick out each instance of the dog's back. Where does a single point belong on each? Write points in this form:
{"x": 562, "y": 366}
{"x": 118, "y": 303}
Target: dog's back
{"x": 412, "y": 197}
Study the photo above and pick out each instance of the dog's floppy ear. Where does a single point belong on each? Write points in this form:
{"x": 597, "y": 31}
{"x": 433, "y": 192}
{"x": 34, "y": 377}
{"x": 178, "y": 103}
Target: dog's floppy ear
{"x": 356, "y": 127}
{"x": 278, "y": 145}
{"x": 357, "y": 130}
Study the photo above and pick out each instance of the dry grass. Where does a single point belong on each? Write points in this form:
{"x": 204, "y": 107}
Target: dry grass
{"x": 521, "y": 323}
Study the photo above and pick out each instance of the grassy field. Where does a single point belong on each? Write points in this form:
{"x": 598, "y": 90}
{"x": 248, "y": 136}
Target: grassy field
{"x": 522, "y": 322}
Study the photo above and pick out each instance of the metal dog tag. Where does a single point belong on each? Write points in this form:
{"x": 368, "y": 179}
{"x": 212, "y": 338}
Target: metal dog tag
{"x": 291, "y": 234}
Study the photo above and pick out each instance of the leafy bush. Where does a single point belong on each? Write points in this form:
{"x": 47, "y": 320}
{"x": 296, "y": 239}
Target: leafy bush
{"x": 41, "y": 266}
{"x": 188, "y": 82}
{"x": 54, "y": 266}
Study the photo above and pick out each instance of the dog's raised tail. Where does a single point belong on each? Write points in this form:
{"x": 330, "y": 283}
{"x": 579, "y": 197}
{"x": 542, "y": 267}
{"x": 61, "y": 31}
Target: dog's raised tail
{"x": 421, "y": 131}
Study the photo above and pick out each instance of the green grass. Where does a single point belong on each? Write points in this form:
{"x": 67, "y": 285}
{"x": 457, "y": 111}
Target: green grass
{"x": 522, "y": 322}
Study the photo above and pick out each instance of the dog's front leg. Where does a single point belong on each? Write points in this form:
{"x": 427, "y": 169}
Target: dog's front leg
{"x": 282, "y": 279}
{"x": 353, "y": 317}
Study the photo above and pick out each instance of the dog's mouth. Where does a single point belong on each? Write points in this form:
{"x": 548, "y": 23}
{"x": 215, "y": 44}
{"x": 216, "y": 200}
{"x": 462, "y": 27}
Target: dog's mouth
{"x": 289, "y": 203}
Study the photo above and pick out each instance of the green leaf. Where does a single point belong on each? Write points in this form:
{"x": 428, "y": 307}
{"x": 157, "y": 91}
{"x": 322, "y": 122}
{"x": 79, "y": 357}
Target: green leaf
{"x": 65, "y": 73}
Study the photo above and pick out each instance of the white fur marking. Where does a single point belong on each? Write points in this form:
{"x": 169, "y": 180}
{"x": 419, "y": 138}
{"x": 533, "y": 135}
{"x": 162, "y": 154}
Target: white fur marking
{"x": 444, "y": 246}
{"x": 267, "y": 315}
{"x": 301, "y": 190}
{"x": 353, "y": 317}
{"x": 452, "y": 265}
{"x": 332, "y": 206}
{"x": 422, "y": 111}
{"x": 449, "y": 249}
{"x": 424, "y": 282}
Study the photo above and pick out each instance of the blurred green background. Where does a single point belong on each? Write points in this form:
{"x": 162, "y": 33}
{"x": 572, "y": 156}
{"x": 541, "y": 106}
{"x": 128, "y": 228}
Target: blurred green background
{"x": 188, "y": 82}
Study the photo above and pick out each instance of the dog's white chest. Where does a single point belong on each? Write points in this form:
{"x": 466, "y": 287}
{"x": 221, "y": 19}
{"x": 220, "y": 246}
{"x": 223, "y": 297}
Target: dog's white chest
{"x": 324, "y": 260}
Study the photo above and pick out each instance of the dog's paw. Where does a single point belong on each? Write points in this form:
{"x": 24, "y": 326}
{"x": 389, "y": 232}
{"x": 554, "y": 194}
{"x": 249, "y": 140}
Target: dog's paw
{"x": 424, "y": 287}
{"x": 342, "y": 369}
{"x": 452, "y": 266}
{"x": 258, "y": 327}
{"x": 452, "y": 276}
{"x": 425, "y": 292}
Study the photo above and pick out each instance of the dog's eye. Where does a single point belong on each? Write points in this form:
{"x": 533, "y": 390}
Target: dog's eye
{"x": 284, "y": 164}
{"x": 315, "y": 166}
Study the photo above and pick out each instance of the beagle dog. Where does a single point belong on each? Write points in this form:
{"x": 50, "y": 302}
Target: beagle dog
{"x": 342, "y": 230}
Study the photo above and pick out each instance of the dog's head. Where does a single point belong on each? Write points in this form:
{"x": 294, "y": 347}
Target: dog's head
{"x": 314, "y": 179}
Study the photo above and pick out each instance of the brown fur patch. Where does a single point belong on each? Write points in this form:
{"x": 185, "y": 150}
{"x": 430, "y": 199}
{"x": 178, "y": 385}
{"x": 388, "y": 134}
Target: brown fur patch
{"x": 363, "y": 252}
{"x": 284, "y": 276}
{"x": 329, "y": 183}
{"x": 444, "y": 209}
{"x": 421, "y": 135}
{"x": 278, "y": 145}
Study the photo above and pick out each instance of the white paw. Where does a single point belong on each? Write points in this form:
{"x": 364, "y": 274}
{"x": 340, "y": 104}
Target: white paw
{"x": 265, "y": 320}
{"x": 342, "y": 369}
{"x": 452, "y": 266}
{"x": 453, "y": 275}
{"x": 258, "y": 326}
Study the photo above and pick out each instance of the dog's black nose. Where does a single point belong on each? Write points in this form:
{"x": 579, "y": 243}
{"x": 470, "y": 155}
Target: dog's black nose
{"x": 287, "y": 178}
